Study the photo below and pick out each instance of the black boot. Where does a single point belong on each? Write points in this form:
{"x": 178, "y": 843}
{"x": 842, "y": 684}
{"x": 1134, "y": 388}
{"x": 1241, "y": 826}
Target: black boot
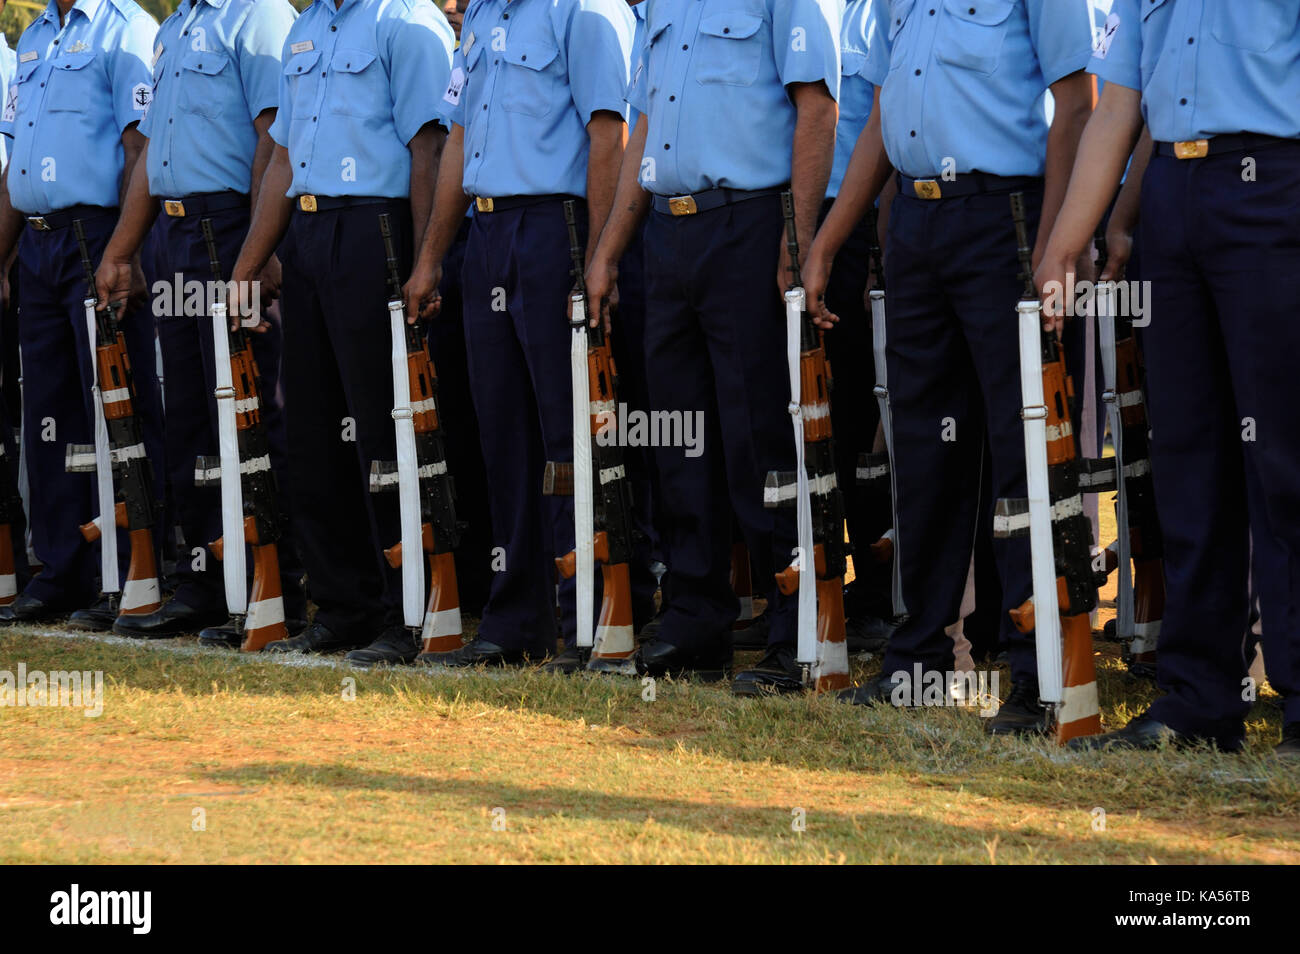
{"x": 568, "y": 662}
{"x": 316, "y": 638}
{"x": 1021, "y": 714}
{"x": 774, "y": 674}
{"x": 396, "y": 646}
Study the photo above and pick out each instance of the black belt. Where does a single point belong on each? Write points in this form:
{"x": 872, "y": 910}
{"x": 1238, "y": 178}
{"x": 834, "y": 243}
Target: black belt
{"x": 506, "y": 203}
{"x": 709, "y": 200}
{"x": 1217, "y": 145}
{"x": 65, "y": 217}
{"x": 965, "y": 183}
{"x": 325, "y": 203}
{"x": 201, "y": 202}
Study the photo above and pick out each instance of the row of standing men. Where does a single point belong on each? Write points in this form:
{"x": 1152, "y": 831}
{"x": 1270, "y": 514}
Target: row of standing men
{"x": 676, "y": 123}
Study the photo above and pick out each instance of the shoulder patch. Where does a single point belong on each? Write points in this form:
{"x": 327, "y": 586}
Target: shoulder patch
{"x": 455, "y": 87}
{"x": 1102, "y": 46}
{"x": 11, "y": 104}
{"x": 141, "y": 97}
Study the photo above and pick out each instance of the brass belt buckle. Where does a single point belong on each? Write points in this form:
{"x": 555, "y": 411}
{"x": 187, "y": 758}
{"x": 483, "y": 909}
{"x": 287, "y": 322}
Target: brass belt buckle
{"x": 1192, "y": 149}
{"x": 38, "y": 223}
{"x": 927, "y": 189}
{"x": 307, "y": 203}
{"x": 483, "y": 204}
{"x": 174, "y": 207}
{"x": 682, "y": 205}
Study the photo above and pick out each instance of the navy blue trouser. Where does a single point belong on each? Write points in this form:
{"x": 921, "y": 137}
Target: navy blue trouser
{"x": 58, "y": 410}
{"x": 189, "y": 380}
{"x": 855, "y": 416}
{"x": 338, "y": 399}
{"x": 1224, "y": 268}
{"x": 715, "y": 346}
{"x": 460, "y": 427}
{"x": 516, "y": 285}
{"x": 953, "y": 360}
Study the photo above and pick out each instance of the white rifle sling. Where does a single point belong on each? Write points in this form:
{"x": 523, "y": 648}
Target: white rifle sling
{"x": 887, "y": 428}
{"x": 806, "y": 647}
{"x": 1124, "y": 622}
{"x": 584, "y": 516}
{"x": 103, "y": 468}
{"x": 1047, "y": 621}
{"x": 408, "y": 477}
{"x": 232, "y": 491}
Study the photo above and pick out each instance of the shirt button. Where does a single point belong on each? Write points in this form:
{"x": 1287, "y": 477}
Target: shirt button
{"x": 164, "y": 162}
{"x": 1183, "y": 101}
{"x": 505, "y": 16}
{"x": 334, "y": 29}
{"x": 178, "y": 73}
{"x": 726, "y": 29}
{"x": 476, "y": 155}
{"x": 931, "y": 14}
{"x": 686, "y": 46}
{"x": 918, "y": 72}
{"x": 302, "y": 165}
{"x": 913, "y": 133}
{"x": 485, "y": 107}
{"x": 672, "y": 99}
{"x": 972, "y": 10}
{"x": 666, "y": 146}
{"x": 1191, "y": 40}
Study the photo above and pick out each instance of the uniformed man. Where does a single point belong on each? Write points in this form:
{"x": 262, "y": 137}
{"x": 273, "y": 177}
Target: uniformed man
{"x": 81, "y": 87}
{"x": 739, "y": 104}
{"x": 536, "y": 110}
{"x": 356, "y": 136}
{"x": 216, "y": 83}
{"x": 1219, "y": 88}
{"x": 962, "y": 120}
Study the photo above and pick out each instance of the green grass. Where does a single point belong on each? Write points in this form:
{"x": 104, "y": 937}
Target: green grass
{"x": 285, "y": 769}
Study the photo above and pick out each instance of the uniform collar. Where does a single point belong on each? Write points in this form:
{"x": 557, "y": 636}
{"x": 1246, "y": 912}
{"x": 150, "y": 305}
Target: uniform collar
{"x": 88, "y": 7}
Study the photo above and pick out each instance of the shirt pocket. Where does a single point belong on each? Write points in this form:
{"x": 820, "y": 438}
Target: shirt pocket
{"x": 356, "y": 84}
{"x": 204, "y": 89}
{"x": 656, "y": 47}
{"x": 972, "y": 33}
{"x": 1256, "y": 27}
{"x": 70, "y": 79}
{"x": 730, "y": 48}
{"x": 1151, "y": 51}
{"x": 303, "y": 80}
{"x": 530, "y": 84}
{"x": 898, "y": 14}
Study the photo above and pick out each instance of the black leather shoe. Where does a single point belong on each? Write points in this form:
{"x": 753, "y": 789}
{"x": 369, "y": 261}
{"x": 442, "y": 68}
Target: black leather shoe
{"x": 754, "y": 636}
{"x": 876, "y": 692}
{"x": 316, "y": 638}
{"x": 396, "y": 646}
{"x": 98, "y": 617}
{"x": 1021, "y": 714}
{"x": 657, "y": 657}
{"x": 868, "y": 634}
{"x": 1289, "y": 747}
{"x": 775, "y": 673}
{"x": 227, "y": 636}
{"x": 1148, "y": 734}
{"x": 568, "y": 662}
{"x": 476, "y": 652}
{"x": 28, "y": 609}
{"x": 171, "y": 619}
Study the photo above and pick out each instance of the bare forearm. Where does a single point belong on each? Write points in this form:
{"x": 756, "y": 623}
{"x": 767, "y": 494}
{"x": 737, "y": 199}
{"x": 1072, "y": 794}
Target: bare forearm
{"x": 11, "y": 222}
{"x": 449, "y": 202}
{"x": 811, "y": 157}
{"x": 261, "y": 154}
{"x": 426, "y": 153}
{"x": 133, "y": 143}
{"x": 608, "y": 134}
{"x": 630, "y": 203}
{"x": 139, "y": 210}
{"x": 270, "y": 216}
{"x": 868, "y": 172}
{"x": 1073, "y": 109}
{"x": 1127, "y": 205}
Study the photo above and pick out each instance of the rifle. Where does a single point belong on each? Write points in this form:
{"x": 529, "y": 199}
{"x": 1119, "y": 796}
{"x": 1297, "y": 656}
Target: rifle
{"x": 1060, "y": 534}
{"x": 426, "y": 491}
{"x": 1140, "y": 592}
{"x": 813, "y": 490}
{"x": 250, "y": 512}
{"x": 602, "y": 506}
{"x": 117, "y": 458}
{"x": 11, "y": 508}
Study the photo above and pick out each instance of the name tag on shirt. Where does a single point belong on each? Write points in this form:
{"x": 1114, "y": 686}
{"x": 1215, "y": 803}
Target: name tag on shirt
{"x": 468, "y": 45}
{"x": 302, "y": 47}
{"x": 157, "y": 52}
{"x": 28, "y": 56}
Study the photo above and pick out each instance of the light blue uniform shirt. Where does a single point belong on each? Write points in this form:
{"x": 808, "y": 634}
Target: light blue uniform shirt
{"x": 967, "y": 82}
{"x": 528, "y": 76}
{"x": 217, "y": 66}
{"x": 76, "y": 89}
{"x": 1207, "y": 68}
{"x": 864, "y": 63}
{"x": 8, "y": 65}
{"x": 356, "y": 85}
{"x": 638, "y": 45}
{"x": 712, "y": 81}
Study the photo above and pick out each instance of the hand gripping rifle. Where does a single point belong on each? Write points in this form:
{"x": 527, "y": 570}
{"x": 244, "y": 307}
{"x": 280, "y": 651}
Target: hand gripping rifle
{"x": 250, "y": 512}
{"x": 117, "y": 458}
{"x": 813, "y": 490}
{"x": 1060, "y": 534}
{"x": 875, "y": 467}
{"x": 602, "y": 495}
{"x": 426, "y": 492}
{"x": 1141, "y": 592}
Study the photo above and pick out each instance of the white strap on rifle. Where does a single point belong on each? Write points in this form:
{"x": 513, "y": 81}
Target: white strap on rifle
{"x": 806, "y": 647}
{"x": 408, "y": 478}
{"x": 103, "y": 468}
{"x": 584, "y": 516}
{"x": 1047, "y": 620}
{"x": 1124, "y": 614}
{"x": 233, "y": 569}
{"x": 887, "y": 428}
